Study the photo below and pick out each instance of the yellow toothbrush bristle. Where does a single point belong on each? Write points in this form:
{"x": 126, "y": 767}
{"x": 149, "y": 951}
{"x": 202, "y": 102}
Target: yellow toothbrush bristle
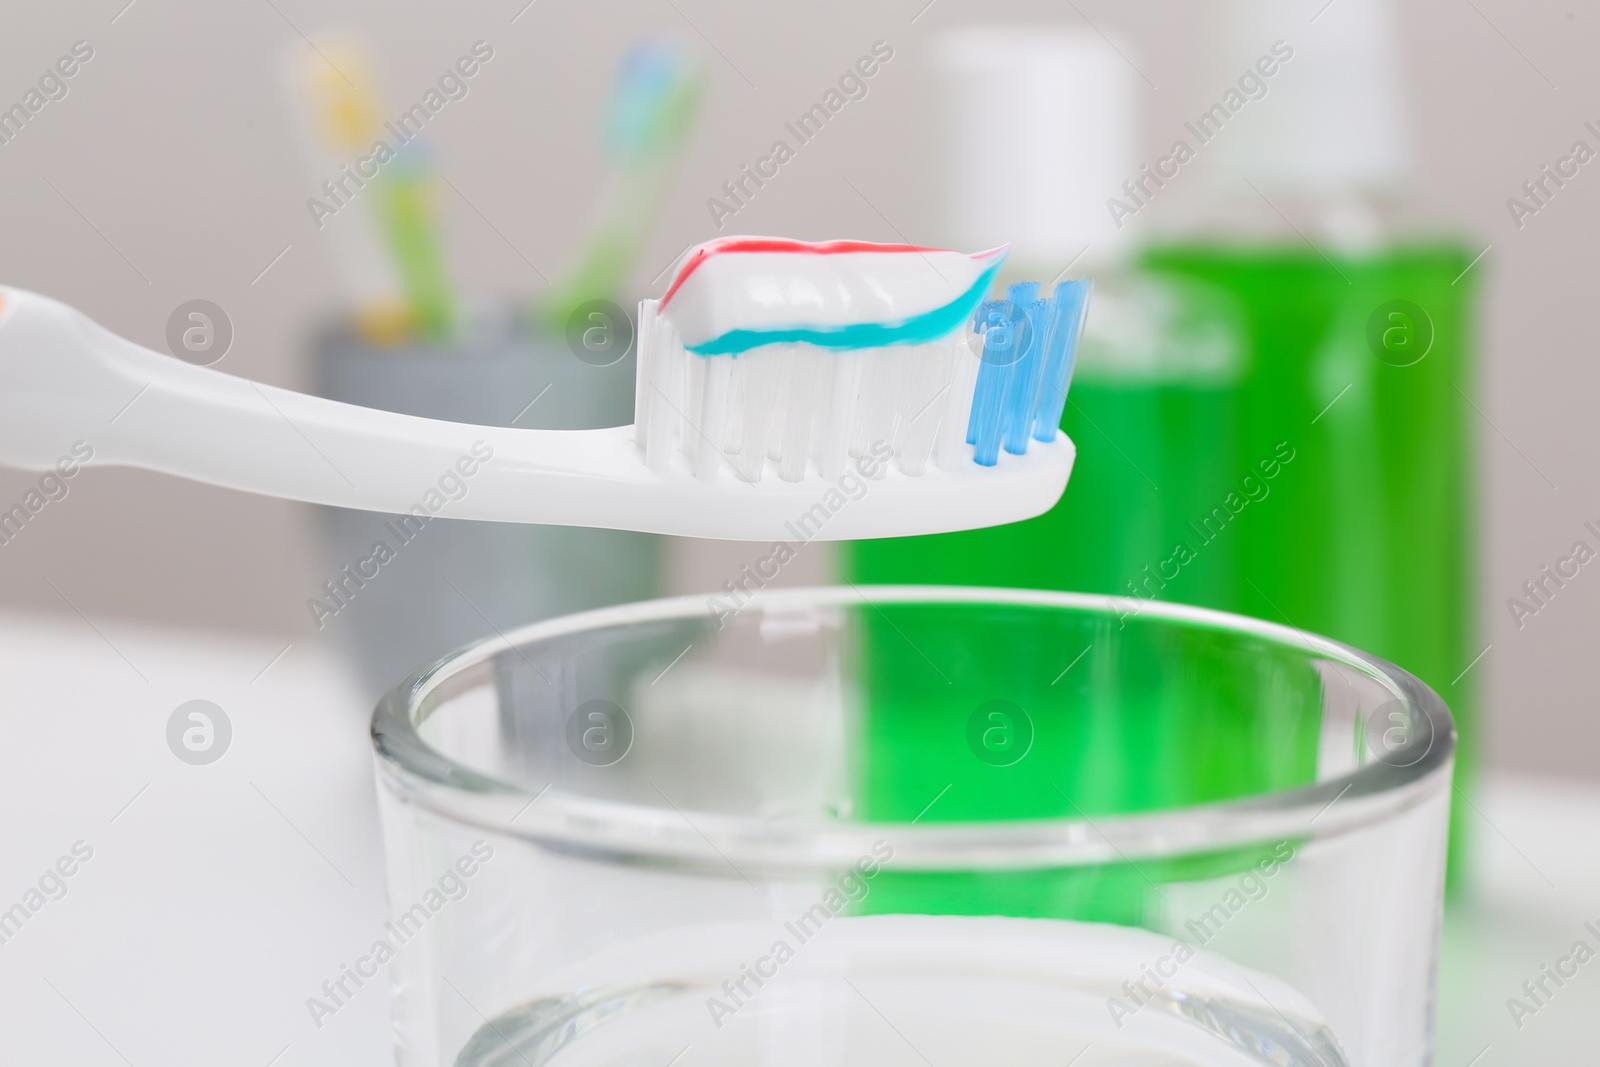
{"x": 347, "y": 114}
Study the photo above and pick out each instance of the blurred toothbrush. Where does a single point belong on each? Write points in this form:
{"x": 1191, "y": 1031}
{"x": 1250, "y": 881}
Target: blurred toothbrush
{"x": 340, "y": 122}
{"x": 407, "y": 202}
{"x": 388, "y": 249}
{"x": 648, "y": 121}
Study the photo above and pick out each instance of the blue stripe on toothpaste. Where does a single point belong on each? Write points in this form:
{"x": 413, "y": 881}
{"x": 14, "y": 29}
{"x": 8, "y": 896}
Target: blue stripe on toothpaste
{"x": 918, "y": 329}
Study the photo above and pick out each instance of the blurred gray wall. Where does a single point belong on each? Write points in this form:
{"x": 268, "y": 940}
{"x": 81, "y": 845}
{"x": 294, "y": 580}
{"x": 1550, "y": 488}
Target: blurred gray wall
{"x": 170, "y": 172}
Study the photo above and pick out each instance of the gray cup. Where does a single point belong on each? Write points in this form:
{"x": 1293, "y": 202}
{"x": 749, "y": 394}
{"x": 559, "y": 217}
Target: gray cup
{"x": 457, "y": 581}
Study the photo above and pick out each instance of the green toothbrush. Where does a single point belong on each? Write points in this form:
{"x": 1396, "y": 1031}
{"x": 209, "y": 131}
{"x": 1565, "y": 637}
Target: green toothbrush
{"x": 407, "y": 216}
{"x": 648, "y": 121}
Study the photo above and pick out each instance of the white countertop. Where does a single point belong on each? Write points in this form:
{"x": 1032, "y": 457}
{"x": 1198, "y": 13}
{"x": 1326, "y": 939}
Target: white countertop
{"x": 1536, "y": 881}
{"x": 218, "y": 898}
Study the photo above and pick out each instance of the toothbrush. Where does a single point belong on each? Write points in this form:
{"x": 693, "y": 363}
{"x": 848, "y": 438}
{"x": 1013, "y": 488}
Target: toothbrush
{"x": 854, "y": 354}
{"x": 336, "y": 123}
{"x": 407, "y": 207}
{"x": 647, "y": 125}
{"x": 391, "y": 246}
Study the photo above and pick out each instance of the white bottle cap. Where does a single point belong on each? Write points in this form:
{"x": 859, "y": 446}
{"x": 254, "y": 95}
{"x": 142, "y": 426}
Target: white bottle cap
{"x": 1331, "y": 121}
{"x": 1039, "y": 131}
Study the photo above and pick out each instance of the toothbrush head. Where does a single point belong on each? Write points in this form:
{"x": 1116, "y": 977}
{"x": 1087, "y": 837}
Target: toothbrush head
{"x": 808, "y": 361}
{"x": 337, "y": 81}
{"x": 655, "y": 100}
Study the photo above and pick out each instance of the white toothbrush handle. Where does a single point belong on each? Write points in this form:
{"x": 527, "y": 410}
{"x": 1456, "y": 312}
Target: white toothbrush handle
{"x": 65, "y": 379}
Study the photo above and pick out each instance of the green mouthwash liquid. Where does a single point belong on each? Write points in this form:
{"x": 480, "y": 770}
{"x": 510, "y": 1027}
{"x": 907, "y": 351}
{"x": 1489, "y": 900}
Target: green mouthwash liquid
{"x": 1363, "y": 364}
{"x": 1053, "y": 714}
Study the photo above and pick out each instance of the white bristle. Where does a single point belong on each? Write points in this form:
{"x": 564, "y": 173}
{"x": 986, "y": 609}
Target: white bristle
{"x": 748, "y": 423}
{"x": 832, "y": 446}
{"x": 713, "y": 422}
{"x": 871, "y": 401}
{"x": 757, "y": 378}
{"x": 662, "y": 409}
{"x": 803, "y": 396}
{"x": 785, "y": 356}
{"x": 694, "y": 395}
{"x": 645, "y": 346}
{"x": 822, "y": 388}
{"x": 930, "y": 377}
{"x": 798, "y": 411}
{"x": 951, "y": 451}
{"x": 904, "y": 362}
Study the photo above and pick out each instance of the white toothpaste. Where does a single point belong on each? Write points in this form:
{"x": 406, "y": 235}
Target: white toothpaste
{"x": 738, "y": 293}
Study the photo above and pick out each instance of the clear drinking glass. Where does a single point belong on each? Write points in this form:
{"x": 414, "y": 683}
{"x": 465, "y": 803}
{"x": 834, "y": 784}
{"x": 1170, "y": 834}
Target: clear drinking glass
{"x": 896, "y": 825}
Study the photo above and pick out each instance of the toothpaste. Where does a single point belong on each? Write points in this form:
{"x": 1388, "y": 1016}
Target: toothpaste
{"x": 738, "y": 293}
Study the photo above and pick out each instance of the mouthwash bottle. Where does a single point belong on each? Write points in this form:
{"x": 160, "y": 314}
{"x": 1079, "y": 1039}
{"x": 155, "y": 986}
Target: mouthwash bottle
{"x": 1358, "y": 320}
{"x": 1157, "y": 499}
{"x": 1270, "y": 405}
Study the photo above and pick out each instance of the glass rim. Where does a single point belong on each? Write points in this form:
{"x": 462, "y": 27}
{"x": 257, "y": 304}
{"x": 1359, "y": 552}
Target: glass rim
{"x": 618, "y": 831}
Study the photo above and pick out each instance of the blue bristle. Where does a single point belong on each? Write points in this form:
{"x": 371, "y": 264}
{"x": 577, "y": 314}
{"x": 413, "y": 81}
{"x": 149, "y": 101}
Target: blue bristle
{"x": 1028, "y": 347}
{"x": 990, "y": 377}
{"x": 1069, "y": 304}
{"x": 1056, "y": 360}
{"x": 984, "y": 427}
{"x": 1022, "y": 293}
{"x": 1022, "y": 391}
